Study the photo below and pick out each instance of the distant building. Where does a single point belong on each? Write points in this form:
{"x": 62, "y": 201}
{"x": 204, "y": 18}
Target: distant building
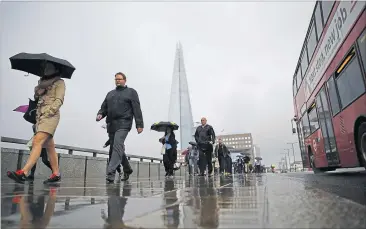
{"x": 237, "y": 141}
{"x": 239, "y": 144}
{"x": 256, "y": 151}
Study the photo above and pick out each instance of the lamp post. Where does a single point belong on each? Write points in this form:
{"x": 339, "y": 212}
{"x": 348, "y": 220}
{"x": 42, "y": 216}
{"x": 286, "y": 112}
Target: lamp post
{"x": 293, "y": 151}
{"x": 287, "y": 155}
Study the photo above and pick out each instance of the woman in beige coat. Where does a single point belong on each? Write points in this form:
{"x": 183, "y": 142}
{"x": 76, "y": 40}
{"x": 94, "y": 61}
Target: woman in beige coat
{"x": 50, "y": 93}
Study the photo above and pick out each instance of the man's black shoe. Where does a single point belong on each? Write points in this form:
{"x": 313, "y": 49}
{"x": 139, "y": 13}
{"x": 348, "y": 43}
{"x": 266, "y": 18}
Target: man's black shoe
{"x": 109, "y": 181}
{"x": 126, "y": 175}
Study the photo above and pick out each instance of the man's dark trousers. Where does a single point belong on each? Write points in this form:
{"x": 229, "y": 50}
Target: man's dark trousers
{"x": 205, "y": 158}
{"x": 111, "y": 150}
{"x": 222, "y": 163}
{"x": 118, "y": 154}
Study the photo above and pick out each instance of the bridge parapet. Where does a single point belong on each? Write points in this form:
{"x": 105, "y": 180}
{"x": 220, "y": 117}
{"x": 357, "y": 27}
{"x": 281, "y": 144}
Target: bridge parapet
{"x": 76, "y": 166}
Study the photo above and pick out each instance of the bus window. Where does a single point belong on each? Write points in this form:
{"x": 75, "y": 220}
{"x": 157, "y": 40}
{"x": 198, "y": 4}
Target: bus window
{"x": 327, "y": 8}
{"x": 298, "y": 77}
{"x": 313, "y": 119}
{"x": 362, "y": 47}
{"x": 312, "y": 41}
{"x": 333, "y": 96}
{"x": 294, "y": 87}
{"x": 318, "y": 20}
{"x": 305, "y": 125}
{"x": 304, "y": 61}
{"x": 349, "y": 79}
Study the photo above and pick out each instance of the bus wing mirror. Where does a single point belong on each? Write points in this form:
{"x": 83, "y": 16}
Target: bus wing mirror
{"x": 294, "y": 130}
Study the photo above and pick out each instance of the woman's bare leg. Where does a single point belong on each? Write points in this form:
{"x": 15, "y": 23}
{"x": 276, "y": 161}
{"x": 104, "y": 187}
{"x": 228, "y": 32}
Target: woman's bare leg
{"x": 52, "y": 155}
{"x": 38, "y": 140}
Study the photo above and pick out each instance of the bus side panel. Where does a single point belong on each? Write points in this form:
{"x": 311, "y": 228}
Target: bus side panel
{"x": 348, "y": 42}
{"x": 347, "y": 159}
{"x": 343, "y": 127}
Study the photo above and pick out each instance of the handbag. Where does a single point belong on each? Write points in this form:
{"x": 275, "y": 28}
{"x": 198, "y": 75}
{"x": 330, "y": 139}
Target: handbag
{"x": 30, "y": 114}
{"x": 162, "y": 151}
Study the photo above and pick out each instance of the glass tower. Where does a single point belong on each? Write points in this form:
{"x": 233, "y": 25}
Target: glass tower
{"x": 180, "y": 110}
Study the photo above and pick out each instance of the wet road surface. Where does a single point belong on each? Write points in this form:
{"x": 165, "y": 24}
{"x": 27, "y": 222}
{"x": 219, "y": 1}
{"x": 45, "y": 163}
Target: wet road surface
{"x": 349, "y": 185}
{"x": 241, "y": 201}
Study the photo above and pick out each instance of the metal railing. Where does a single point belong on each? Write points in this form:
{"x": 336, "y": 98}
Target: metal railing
{"x": 71, "y": 150}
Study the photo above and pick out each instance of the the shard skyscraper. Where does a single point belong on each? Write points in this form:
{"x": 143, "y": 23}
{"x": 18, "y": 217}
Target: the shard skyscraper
{"x": 180, "y": 110}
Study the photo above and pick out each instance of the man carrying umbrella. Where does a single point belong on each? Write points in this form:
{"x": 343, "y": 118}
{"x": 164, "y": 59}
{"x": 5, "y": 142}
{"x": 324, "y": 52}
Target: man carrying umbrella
{"x": 120, "y": 106}
{"x": 205, "y": 137}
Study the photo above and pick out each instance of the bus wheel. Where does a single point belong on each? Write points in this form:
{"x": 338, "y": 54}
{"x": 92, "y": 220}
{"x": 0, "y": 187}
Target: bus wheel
{"x": 361, "y": 144}
{"x": 312, "y": 163}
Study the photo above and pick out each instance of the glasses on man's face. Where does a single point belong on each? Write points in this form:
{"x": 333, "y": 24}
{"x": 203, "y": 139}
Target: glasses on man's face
{"x": 118, "y": 79}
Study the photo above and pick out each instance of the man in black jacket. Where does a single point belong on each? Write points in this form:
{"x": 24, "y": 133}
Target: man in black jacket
{"x": 120, "y": 106}
{"x": 205, "y": 137}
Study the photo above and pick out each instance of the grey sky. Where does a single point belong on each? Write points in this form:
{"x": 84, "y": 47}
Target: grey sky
{"x": 239, "y": 57}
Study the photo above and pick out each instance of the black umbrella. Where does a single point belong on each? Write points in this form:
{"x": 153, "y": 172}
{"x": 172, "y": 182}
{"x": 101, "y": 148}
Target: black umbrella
{"x": 192, "y": 143}
{"x": 162, "y": 126}
{"x": 35, "y": 64}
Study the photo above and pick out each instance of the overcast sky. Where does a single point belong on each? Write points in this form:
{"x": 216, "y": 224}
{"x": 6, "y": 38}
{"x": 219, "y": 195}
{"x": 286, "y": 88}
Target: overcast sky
{"x": 240, "y": 58}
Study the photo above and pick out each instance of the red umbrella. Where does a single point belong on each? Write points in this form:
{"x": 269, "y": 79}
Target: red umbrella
{"x": 21, "y": 109}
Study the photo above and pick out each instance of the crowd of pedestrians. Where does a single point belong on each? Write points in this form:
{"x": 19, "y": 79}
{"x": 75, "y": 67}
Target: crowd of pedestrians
{"x": 120, "y": 106}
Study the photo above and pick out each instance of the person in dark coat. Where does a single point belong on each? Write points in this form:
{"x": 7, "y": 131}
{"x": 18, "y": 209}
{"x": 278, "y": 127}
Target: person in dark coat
{"x": 221, "y": 152}
{"x": 170, "y": 155}
{"x": 120, "y": 106}
{"x": 205, "y": 137}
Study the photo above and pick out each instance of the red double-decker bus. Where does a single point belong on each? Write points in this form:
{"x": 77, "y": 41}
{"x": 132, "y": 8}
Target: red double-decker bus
{"x": 329, "y": 87}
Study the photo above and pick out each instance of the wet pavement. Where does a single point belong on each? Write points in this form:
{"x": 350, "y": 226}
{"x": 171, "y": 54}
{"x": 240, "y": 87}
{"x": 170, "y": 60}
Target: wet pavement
{"x": 242, "y": 201}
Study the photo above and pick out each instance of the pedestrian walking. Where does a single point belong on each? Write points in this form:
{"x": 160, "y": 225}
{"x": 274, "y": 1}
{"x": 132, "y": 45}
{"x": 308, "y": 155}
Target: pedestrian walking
{"x": 257, "y": 166}
{"x": 221, "y": 152}
{"x": 49, "y": 94}
{"x": 170, "y": 155}
{"x": 193, "y": 155}
{"x": 205, "y": 137}
{"x": 120, "y": 106}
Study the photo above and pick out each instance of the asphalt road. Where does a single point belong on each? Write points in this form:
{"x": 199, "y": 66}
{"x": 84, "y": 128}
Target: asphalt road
{"x": 349, "y": 185}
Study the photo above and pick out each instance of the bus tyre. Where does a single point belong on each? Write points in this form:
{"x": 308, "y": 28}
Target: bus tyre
{"x": 312, "y": 164}
{"x": 361, "y": 143}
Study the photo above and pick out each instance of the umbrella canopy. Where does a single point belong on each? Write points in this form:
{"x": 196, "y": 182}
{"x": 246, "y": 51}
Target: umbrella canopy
{"x": 162, "y": 126}
{"x": 35, "y": 64}
{"x": 21, "y": 109}
{"x": 192, "y": 143}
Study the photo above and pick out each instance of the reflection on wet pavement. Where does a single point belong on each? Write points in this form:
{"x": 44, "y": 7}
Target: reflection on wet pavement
{"x": 240, "y": 201}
